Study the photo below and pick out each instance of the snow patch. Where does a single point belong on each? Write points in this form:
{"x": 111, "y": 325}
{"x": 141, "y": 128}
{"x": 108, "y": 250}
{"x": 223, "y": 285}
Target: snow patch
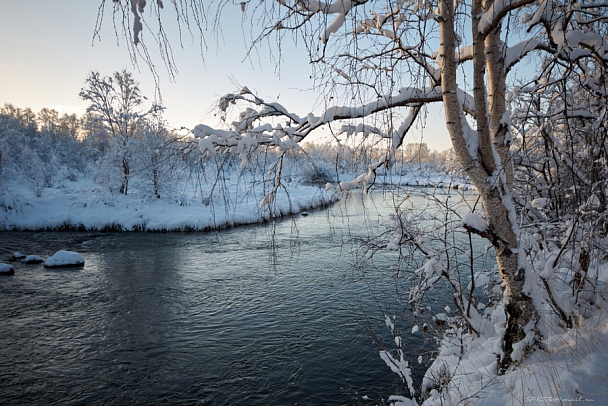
{"x": 474, "y": 221}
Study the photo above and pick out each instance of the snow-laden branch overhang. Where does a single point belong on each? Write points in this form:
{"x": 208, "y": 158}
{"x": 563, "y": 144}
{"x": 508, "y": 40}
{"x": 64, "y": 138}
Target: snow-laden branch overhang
{"x": 515, "y": 53}
{"x": 245, "y": 135}
{"x": 497, "y": 11}
{"x": 405, "y": 97}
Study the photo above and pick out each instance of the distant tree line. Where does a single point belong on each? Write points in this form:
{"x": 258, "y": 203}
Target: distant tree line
{"x": 114, "y": 143}
{"x": 328, "y": 160}
{"x": 124, "y": 144}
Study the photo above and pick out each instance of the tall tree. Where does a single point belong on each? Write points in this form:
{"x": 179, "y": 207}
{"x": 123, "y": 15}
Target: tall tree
{"x": 115, "y": 101}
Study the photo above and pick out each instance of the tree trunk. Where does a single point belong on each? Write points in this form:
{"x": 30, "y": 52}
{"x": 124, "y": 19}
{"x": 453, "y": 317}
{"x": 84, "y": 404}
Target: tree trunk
{"x": 126, "y": 170}
{"x": 484, "y": 169}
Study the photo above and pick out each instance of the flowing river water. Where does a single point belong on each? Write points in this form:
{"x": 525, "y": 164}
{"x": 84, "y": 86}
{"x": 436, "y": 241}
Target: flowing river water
{"x": 272, "y": 314}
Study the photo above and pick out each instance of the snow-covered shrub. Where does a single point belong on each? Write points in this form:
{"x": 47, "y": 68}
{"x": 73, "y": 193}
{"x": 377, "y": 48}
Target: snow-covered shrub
{"x": 317, "y": 172}
{"x": 33, "y": 171}
{"x": 108, "y": 173}
{"x": 561, "y": 166}
{"x": 3, "y": 163}
{"x": 156, "y": 160}
{"x": 13, "y": 143}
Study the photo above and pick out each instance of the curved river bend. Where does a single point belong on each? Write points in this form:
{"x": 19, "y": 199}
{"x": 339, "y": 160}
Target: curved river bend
{"x": 262, "y": 315}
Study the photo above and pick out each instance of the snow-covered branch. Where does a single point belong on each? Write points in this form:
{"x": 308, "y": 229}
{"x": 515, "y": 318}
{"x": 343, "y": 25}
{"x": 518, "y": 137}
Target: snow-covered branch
{"x": 244, "y": 130}
{"x": 497, "y": 11}
{"x": 515, "y": 53}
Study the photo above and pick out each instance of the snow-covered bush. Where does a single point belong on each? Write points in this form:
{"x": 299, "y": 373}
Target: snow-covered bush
{"x": 108, "y": 172}
{"x": 32, "y": 171}
{"x": 115, "y": 105}
{"x": 561, "y": 167}
{"x": 317, "y": 172}
{"x": 156, "y": 163}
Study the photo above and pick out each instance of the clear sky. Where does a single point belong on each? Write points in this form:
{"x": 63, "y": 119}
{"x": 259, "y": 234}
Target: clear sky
{"x": 47, "y": 49}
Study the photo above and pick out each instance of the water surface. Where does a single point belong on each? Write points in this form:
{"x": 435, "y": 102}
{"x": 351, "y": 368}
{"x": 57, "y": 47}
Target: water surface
{"x": 256, "y": 315}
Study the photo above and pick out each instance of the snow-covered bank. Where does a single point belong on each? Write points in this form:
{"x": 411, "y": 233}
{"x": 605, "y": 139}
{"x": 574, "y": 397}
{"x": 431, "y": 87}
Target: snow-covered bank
{"x": 566, "y": 365}
{"x": 570, "y": 367}
{"x": 426, "y": 179}
{"x": 84, "y": 206}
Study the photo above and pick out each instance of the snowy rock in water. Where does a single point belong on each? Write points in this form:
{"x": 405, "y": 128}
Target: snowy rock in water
{"x": 32, "y": 259}
{"x": 304, "y": 213}
{"x": 16, "y": 256}
{"x": 64, "y": 259}
{"x": 6, "y": 269}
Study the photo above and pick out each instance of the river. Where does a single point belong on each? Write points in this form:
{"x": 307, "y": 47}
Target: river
{"x": 272, "y": 314}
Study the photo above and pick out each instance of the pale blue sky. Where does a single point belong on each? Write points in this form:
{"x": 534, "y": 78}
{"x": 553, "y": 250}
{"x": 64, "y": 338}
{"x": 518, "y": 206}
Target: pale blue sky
{"x": 47, "y": 50}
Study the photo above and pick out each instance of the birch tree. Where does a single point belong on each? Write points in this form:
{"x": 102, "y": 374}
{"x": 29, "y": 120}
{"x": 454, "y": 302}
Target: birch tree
{"x": 115, "y": 102}
{"x": 388, "y": 59}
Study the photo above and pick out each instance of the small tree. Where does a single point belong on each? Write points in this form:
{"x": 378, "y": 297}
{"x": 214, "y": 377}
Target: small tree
{"x": 19, "y": 138}
{"x": 115, "y": 102}
{"x": 157, "y": 159}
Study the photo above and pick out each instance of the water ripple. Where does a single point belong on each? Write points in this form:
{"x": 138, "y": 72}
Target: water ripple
{"x": 217, "y": 319}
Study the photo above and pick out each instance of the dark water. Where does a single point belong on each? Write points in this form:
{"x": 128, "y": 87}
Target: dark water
{"x": 273, "y": 314}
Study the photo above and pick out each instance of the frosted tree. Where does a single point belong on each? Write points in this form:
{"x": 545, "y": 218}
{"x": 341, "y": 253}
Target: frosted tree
{"x": 13, "y": 128}
{"x": 18, "y": 142}
{"x": 157, "y": 158}
{"x": 116, "y": 103}
{"x": 417, "y": 152}
{"x": 388, "y": 59}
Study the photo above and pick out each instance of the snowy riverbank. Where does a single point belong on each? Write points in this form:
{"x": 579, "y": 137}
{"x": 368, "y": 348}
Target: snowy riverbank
{"x": 82, "y": 205}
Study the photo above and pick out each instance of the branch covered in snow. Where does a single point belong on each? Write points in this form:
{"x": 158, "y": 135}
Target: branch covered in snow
{"x": 252, "y": 127}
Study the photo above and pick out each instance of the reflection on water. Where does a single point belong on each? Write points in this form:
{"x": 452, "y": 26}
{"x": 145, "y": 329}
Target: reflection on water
{"x": 254, "y": 315}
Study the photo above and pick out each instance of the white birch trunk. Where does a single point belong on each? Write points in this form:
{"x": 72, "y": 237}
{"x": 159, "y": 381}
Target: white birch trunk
{"x": 483, "y": 169}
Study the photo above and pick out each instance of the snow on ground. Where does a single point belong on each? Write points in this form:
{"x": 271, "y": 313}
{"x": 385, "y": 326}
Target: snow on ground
{"x": 87, "y": 206}
{"x": 571, "y": 368}
{"x": 429, "y": 179}
{"x": 568, "y": 367}
{"x": 83, "y": 205}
